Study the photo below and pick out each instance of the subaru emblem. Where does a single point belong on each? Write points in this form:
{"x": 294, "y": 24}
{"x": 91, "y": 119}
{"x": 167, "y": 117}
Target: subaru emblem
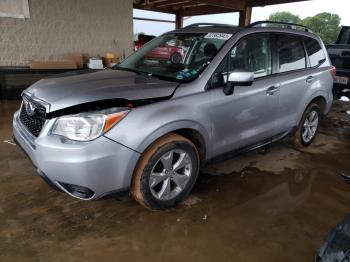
{"x": 30, "y": 108}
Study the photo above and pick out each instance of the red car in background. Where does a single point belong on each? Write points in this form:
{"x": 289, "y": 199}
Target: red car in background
{"x": 141, "y": 40}
{"x": 174, "y": 54}
{"x": 171, "y": 53}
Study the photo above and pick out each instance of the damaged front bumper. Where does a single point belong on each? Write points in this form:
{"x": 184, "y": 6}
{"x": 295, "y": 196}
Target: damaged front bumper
{"x": 84, "y": 170}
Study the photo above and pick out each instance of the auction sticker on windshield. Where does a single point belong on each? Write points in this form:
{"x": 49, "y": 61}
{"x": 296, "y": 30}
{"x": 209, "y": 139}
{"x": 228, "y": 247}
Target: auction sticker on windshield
{"x": 222, "y": 36}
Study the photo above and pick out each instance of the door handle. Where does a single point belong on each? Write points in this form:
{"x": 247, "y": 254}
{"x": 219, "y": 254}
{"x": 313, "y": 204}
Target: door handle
{"x": 272, "y": 90}
{"x": 309, "y": 79}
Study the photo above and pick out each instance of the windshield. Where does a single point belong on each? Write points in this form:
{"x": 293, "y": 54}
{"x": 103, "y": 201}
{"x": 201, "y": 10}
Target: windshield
{"x": 177, "y": 57}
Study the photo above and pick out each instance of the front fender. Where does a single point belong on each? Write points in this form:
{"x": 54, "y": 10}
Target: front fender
{"x": 143, "y": 125}
{"x": 171, "y": 127}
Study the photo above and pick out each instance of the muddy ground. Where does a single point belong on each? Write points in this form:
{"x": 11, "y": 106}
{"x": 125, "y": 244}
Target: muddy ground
{"x": 262, "y": 206}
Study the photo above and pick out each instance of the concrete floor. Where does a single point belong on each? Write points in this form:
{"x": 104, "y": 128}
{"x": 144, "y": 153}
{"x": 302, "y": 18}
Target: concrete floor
{"x": 276, "y": 206}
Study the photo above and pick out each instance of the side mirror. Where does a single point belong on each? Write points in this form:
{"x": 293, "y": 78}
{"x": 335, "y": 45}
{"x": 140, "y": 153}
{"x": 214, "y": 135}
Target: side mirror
{"x": 238, "y": 78}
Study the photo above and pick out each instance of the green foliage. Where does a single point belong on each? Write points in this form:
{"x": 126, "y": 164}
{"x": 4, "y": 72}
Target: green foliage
{"x": 286, "y": 17}
{"x": 326, "y": 25}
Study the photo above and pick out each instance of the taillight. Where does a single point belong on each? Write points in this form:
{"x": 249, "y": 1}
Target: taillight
{"x": 333, "y": 71}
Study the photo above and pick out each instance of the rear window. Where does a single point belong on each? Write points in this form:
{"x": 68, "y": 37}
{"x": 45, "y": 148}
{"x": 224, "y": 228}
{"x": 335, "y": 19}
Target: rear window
{"x": 315, "y": 52}
{"x": 291, "y": 53}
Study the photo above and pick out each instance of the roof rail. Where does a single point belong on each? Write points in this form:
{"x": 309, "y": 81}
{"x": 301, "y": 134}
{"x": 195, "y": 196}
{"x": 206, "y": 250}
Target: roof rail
{"x": 208, "y": 24}
{"x": 288, "y": 25}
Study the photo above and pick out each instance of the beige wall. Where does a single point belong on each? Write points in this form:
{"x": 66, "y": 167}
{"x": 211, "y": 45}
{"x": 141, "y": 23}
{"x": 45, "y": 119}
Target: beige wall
{"x": 57, "y": 27}
{"x": 14, "y": 8}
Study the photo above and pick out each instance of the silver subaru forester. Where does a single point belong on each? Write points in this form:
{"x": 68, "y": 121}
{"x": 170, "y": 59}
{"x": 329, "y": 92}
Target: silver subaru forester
{"x": 187, "y": 97}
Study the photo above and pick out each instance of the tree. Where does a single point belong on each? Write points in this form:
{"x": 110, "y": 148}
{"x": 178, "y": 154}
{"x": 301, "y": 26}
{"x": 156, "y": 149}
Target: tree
{"x": 326, "y": 25}
{"x": 286, "y": 17}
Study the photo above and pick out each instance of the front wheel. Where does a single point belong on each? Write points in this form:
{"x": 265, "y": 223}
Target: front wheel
{"x": 166, "y": 172}
{"x": 176, "y": 58}
{"x": 308, "y": 127}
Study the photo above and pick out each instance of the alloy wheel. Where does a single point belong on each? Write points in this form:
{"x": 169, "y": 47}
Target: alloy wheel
{"x": 170, "y": 174}
{"x": 310, "y": 126}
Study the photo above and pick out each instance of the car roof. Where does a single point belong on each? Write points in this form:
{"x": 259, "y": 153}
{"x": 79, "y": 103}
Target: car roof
{"x": 208, "y": 28}
{"x": 255, "y": 27}
{"x": 230, "y": 29}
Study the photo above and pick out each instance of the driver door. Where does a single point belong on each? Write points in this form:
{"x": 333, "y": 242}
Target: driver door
{"x": 248, "y": 116}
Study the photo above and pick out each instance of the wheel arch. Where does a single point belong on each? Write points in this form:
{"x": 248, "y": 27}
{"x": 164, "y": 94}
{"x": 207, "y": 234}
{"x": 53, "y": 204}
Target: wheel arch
{"x": 188, "y": 129}
{"x": 196, "y": 138}
{"x": 319, "y": 98}
{"x": 321, "y": 102}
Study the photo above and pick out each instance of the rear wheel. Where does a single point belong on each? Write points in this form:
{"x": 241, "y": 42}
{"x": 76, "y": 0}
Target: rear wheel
{"x": 308, "y": 127}
{"x": 166, "y": 172}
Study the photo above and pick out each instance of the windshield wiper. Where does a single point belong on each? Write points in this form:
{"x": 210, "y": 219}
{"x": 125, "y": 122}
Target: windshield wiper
{"x": 133, "y": 70}
{"x": 161, "y": 77}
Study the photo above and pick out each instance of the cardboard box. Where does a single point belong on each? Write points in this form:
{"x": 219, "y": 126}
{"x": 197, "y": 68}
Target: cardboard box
{"x": 95, "y": 63}
{"x": 78, "y": 58}
{"x": 69, "y": 64}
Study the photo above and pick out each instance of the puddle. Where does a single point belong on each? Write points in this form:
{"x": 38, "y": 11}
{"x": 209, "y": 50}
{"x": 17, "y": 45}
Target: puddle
{"x": 191, "y": 201}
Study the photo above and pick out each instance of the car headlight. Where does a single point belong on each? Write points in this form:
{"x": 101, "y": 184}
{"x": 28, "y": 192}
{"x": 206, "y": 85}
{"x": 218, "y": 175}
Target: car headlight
{"x": 87, "y": 126}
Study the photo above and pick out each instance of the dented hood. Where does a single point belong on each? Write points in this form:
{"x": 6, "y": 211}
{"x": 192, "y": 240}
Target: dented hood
{"x": 69, "y": 90}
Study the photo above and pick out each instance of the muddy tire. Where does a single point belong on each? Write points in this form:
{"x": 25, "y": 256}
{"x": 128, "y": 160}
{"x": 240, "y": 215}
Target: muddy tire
{"x": 308, "y": 127}
{"x": 166, "y": 172}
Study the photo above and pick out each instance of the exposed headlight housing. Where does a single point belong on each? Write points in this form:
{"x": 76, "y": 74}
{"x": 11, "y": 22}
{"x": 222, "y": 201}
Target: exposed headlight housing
{"x": 87, "y": 126}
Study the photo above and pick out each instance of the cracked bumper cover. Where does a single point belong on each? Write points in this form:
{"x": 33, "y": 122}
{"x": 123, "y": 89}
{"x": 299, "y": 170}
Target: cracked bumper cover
{"x": 102, "y": 166}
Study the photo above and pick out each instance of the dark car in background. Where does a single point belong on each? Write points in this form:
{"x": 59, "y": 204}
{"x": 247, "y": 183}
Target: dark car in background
{"x": 339, "y": 54}
{"x": 337, "y": 244}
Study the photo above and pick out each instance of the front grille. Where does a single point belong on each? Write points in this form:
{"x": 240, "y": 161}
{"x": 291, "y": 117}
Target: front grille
{"x": 33, "y": 123}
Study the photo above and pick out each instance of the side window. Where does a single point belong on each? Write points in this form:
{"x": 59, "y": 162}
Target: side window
{"x": 291, "y": 53}
{"x": 206, "y": 50}
{"x": 315, "y": 52}
{"x": 252, "y": 54}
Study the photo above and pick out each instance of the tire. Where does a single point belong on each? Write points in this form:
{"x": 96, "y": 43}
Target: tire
{"x": 299, "y": 139}
{"x": 175, "y": 58}
{"x": 156, "y": 183}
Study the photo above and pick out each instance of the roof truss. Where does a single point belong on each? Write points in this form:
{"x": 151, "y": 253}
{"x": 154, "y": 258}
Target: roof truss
{"x": 203, "y": 7}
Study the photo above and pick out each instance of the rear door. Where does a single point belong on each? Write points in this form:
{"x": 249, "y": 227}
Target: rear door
{"x": 291, "y": 68}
